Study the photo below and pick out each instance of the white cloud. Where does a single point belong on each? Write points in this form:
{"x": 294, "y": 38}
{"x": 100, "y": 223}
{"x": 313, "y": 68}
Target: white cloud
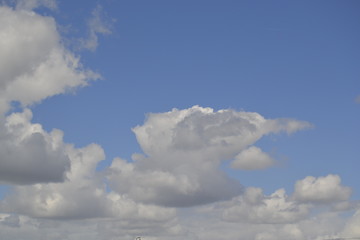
{"x": 254, "y": 207}
{"x": 326, "y": 189}
{"x": 201, "y": 223}
{"x": 63, "y": 182}
{"x": 83, "y": 195}
{"x": 72, "y": 199}
{"x": 90, "y": 229}
{"x": 98, "y": 24}
{"x": 32, "y": 4}
{"x": 34, "y": 65}
{"x": 183, "y": 152}
{"x": 352, "y": 226}
{"x": 29, "y": 154}
{"x": 207, "y": 225}
{"x": 290, "y": 231}
{"x": 252, "y": 158}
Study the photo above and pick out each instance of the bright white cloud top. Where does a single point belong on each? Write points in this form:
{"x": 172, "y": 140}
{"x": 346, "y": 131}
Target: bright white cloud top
{"x": 185, "y": 181}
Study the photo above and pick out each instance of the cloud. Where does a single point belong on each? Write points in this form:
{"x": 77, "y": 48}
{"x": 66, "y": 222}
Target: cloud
{"x": 34, "y": 65}
{"x": 287, "y": 232}
{"x": 83, "y": 195}
{"x": 10, "y": 220}
{"x": 72, "y": 199}
{"x": 91, "y": 229}
{"x": 326, "y": 189}
{"x": 253, "y": 206}
{"x": 181, "y": 164}
{"x": 98, "y": 24}
{"x": 252, "y": 158}
{"x": 207, "y": 225}
{"x": 357, "y": 99}
{"x": 52, "y": 179}
{"x": 253, "y": 215}
{"x": 352, "y": 226}
{"x": 32, "y": 4}
{"x": 183, "y": 150}
{"x": 29, "y": 154}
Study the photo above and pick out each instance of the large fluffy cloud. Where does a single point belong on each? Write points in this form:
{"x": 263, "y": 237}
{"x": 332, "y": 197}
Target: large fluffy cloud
{"x": 34, "y": 65}
{"x": 183, "y": 150}
{"x": 55, "y": 180}
{"x": 253, "y": 215}
{"x": 83, "y": 195}
{"x": 28, "y": 154}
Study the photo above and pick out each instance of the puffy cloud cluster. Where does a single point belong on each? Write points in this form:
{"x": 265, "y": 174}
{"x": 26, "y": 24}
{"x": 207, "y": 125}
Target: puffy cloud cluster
{"x": 181, "y": 164}
{"x": 28, "y": 154}
{"x": 83, "y": 195}
{"x": 183, "y": 150}
{"x": 34, "y": 65}
{"x": 52, "y": 179}
{"x": 253, "y": 206}
{"x": 254, "y": 215}
{"x": 326, "y": 189}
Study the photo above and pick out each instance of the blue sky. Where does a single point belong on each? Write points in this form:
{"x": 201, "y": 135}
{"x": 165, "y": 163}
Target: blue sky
{"x": 297, "y": 60}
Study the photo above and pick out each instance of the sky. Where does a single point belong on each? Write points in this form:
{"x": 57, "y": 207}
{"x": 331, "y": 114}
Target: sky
{"x": 179, "y": 120}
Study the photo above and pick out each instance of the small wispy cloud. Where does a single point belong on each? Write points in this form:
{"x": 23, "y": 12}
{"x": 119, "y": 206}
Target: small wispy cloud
{"x": 32, "y": 4}
{"x": 98, "y": 24}
{"x": 357, "y": 99}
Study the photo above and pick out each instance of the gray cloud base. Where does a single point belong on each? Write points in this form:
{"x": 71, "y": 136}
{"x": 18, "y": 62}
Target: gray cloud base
{"x": 184, "y": 150}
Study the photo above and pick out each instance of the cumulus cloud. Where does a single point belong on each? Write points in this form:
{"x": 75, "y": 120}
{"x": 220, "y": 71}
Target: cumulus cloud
{"x": 28, "y": 154}
{"x": 82, "y": 196}
{"x": 253, "y": 215}
{"x": 253, "y": 206}
{"x": 352, "y": 226}
{"x": 252, "y": 158}
{"x": 326, "y": 189}
{"x": 34, "y": 65}
{"x": 183, "y": 150}
{"x": 53, "y": 179}
{"x": 207, "y": 225}
{"x": 73, "y": 198}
